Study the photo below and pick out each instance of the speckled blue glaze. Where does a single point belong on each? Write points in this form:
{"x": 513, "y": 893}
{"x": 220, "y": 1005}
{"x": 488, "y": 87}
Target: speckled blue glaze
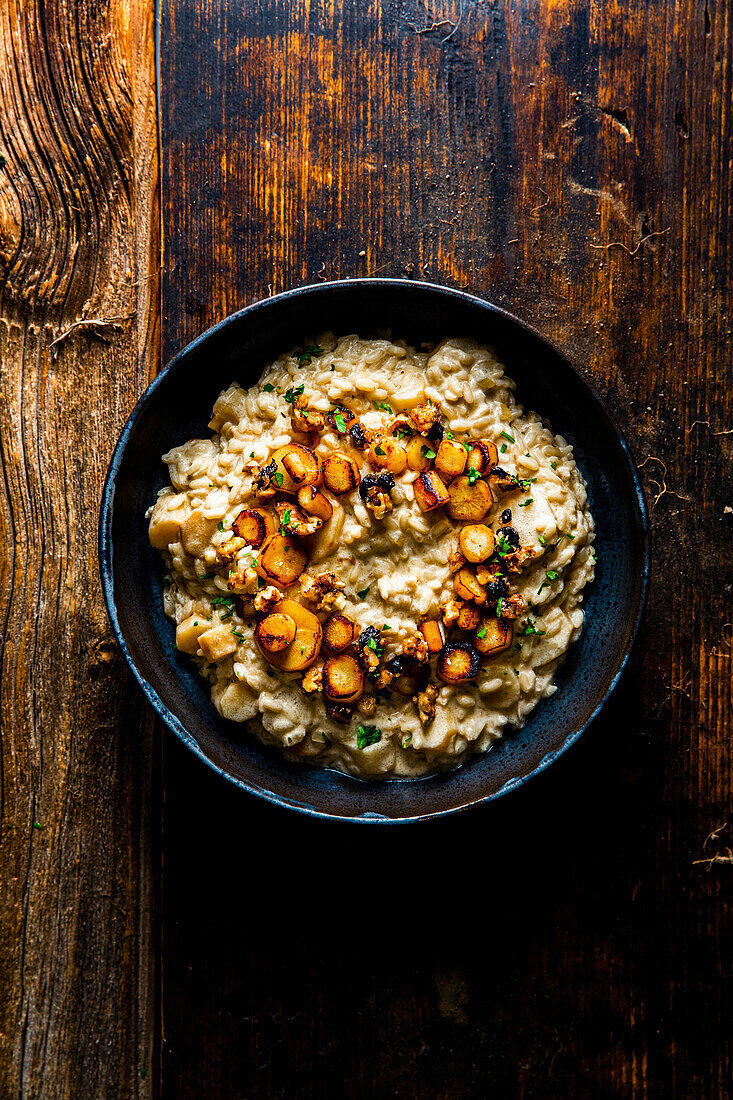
{"x": 177, "y": 407}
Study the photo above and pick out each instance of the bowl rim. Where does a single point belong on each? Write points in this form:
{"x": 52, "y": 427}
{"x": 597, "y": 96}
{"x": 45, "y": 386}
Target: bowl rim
{"x": 105, "y": 547}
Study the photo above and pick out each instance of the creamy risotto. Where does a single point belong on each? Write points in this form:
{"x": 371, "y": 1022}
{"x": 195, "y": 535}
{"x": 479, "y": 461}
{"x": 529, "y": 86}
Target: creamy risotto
{"x": 378, "y": 559}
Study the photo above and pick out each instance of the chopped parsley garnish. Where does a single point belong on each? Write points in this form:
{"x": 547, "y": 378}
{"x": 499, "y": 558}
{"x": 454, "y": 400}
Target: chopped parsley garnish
{"x": 402, "y": 433}
{"x": 238, "y": 635}
{"x": 277, "y": 477}
{"x": 205, "y": 576}
{"x": 326, "y": 738}
{"x": 481, "y": 633}
{"x": 448, "y": 435}
{"x": 304, "y": 357}
{"x": 499, "y": 605}
{"x": 551, "y": 575}
{"x": 379, "y": 450}
{"x": 517, "y": 647}
{"x": 505, "y": 435}
{"x": 372, "y": 643}
{"x": 386, "y": 627}
{"x": 565, "y": 535}
{"x": 285, "y": 521}
{"x": 368, "y": 735}
{"x": 382, "y": 405}
{"x": 340, "y": 422}
{"x": 228, "y": 615}
{"x": 542, "y": 540}
{"x": 268, "y": 387}
{"x": 215, "y": 600}
{"x": 526, "y": 503}
{"x": 292, "y": 393}
{"x": 594, "y": 555}
{"x": 220, "y": 526}
{"x": 473, "y": 475}
{"x": 406, "y": 740}
{"x": 503, "y": 547}
{"x": 251, "y": 454}
{"x": 503, "y": 448}
{"x": 364, "y": 593}
{"x": 196, "y": 623}
{"x": 426, "y": 452}
{"x": 554, "y": 465}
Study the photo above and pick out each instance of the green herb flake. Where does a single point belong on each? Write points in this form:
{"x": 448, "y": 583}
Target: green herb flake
{"x": 503, "y": 448}
{"x": 277, "y": 477}
{"x": 379, "y": 451}
{"x": 448, "y": 435}
{"x": 326, "y": 738}
{"x": 340, "y": 422}
{"x": 551, "y": 575}
{"x": 196, "y": 623}
{"x": 499, "y": 605}
{"x": 364, "y": 593}
{"x": 220, "y": 526}
{"x": 554, "y": 465}
{"x": 383, "y": 406}
{"x": 481, "y": 633}
{"x": 292, "y": 393}
{"x": 402, "y": 433}
{"x": 268, "y": 387}
{"x": 406, "y": 740}
{"x": 473, "y": 475}
{"x": 368, "y": 735}
{"x": 517, "y": 647}
{"x": 304, "y": 357}
{"x": 426, "y": 452}
{"x": 526, "y": 503}
{"x": 216, "y": 600}
{"x": 386, "y": 627}
{"x": 542, "y": 539}
{"x": 37, "y": 825}
{"x": 505, "y": 435}
{"x": 238, "y": 635}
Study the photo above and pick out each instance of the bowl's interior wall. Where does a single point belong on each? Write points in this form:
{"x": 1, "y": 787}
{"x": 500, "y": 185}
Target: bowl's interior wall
{"x": 179, "y": 408}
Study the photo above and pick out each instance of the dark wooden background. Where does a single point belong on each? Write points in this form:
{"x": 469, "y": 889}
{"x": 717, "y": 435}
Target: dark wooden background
{"x": 570, "y": 161}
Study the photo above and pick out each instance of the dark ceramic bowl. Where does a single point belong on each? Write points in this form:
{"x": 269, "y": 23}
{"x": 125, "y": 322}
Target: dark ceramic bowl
{"x": 177, "y": 406}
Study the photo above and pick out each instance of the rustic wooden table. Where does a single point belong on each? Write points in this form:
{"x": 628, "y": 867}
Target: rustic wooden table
{"x": 162, "y": 934}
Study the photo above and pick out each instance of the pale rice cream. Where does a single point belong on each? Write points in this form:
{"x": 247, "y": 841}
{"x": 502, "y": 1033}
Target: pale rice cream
{"x": 394, "y": 569}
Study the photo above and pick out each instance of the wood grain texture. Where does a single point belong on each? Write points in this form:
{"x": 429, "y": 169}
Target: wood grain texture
{"x": 572, "y": 162}
{"x": 79, "y": 335}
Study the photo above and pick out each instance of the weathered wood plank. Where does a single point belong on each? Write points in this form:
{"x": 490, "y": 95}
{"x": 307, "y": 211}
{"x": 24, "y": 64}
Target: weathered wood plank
{"x": 79, "y": 243}
{"x": 571, "y": 162}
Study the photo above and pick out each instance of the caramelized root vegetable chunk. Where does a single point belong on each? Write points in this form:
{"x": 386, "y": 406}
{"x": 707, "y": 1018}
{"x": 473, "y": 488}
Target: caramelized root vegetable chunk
{"x": 188, "y": 633}
{"x": 305, "y": 646}
{"x": 387, "y": 454}
{"x": 341, "y": 419}
{"x": 254, "y": 525}
{"x": 315, "y": 503}
{"x": 457, "y": 663}
{"x": 432, "y": 632}
{"x": 275, "y": 632}
{"x": 217, "y": 643}
{"x": 469, "y": 617}
{"x": 296, "y": 465}
{"x": 424, "y": 417}
{"x": 340, "y": 473}
{"x": 430, "y": 492}
{"x": 483, "y": 455}
{"x": 469, "y": 503}
{"x": 367, "y": 705}
{"x": 450, "y": 460}
{"x": 467, "y": 586}
{"x": 343, "y": 680}
{"x": 281, "y": 560}
{"x": 338, "y": 632}
{"x": 420, "y": 453}
{"x": 493, "y": 636}
{"x": 476, "y": 542}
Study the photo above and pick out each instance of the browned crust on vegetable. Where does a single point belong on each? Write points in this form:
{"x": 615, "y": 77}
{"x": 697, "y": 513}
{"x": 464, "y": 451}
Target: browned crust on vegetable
{"x": 424, "y": 416}
{"x": 483, "y": 455}
{"x": 275, "y": 632}
{"x": 476, "y": 542}
{"x": 458, "y": 663}
{"x": 467, "y": 585}
{"x": 416, "y": 454}
{"x": 339, "y": 632}
{"x": 281, "y": 560}
{"x": 496, "y": 636}
{"x": 322, "y": 591}
{"x": 386, "y": 453}
{"x": 450, "y": 460}
{"x": 254, "y": 525}
{"x": 340, "y": 473}
{"x": 313, "y": 501}
{"x": 343, "y": 679}
{"x": 305, "y": 646}
{"x": 430, "y": 492}
{"x": 432, "y": 632}
{"x": 469, "y": 503}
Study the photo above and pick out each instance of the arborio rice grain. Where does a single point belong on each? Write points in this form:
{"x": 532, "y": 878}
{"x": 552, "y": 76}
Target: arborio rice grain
{"x": 397, "y": 565}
